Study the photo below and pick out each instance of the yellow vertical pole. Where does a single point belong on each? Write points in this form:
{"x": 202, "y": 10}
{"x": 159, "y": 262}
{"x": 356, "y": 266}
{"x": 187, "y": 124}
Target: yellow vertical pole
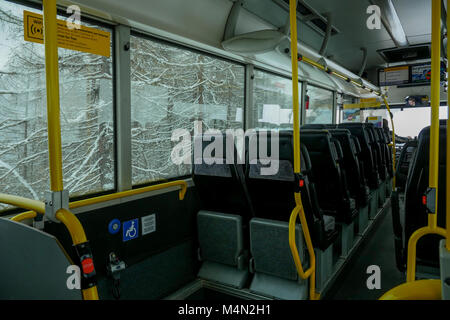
{"x": 447, "y": 202}
{"x": 52, "y": 83}
{"x": 432, "y": 227}
{"x": 54, "y": 128}
{"x": 294, "y": 60}
{"x": 298, "y": 210}
{"x": 393, "y": 142}
{"x": 435, "y": 101}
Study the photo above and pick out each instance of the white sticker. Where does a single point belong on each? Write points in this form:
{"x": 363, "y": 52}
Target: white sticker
{"x": 148, "y": 224}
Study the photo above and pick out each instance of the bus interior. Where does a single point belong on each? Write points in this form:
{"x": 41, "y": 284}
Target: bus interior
{"x": 224, "y": 150}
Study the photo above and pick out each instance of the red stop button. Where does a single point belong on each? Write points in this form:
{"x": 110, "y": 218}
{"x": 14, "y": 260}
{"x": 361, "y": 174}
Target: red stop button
{"x": 88, "y": 265}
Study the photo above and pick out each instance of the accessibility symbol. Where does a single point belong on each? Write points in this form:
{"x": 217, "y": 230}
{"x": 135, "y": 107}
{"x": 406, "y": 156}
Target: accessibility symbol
{"x": 130, "y": 229}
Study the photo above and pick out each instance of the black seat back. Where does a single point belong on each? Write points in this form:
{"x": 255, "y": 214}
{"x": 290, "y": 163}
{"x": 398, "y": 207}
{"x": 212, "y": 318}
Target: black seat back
{"x": 384, "y": 149}
{"x": 384, "y": 141}
{"x": 333, "y": 192}
{"x": 359, "y": 155}
{"x": 273, "y": 195}
{"x": 221, "y": 186}
{"x": 376, "y": 151}
{"x": 318, "y": 126}
{"x": 351, "y": 165}
{"x": 404, "y": 162}
{"x": 361, "y": 131}
{"x": 417, "y": 183}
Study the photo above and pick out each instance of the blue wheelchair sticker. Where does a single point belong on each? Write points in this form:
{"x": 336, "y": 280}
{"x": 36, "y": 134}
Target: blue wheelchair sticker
{"x": 130, "y": 229}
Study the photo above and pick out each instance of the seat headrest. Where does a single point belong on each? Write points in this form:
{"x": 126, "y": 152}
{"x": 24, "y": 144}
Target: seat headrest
{"x": 208, "y": 140}
{"x": 340, "y": 131}
{"x": 313, "y": 126}
{"x": 285, "y": 154}
{"x": 423, "y": 144}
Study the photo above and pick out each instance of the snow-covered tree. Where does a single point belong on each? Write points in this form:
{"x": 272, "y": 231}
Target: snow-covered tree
{"x": 86, "y": 115}
{"x": 171, "y": 88}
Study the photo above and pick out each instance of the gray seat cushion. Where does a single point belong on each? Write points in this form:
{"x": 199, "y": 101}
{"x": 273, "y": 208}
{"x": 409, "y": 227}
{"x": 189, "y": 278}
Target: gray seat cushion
{"x": 220, "y": 237}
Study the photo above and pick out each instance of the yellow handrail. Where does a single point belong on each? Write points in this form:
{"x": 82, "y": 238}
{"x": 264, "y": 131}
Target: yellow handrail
{"x": 78, "y": 236}
{"x": 311, "y": 271}
{"x": 73, "y": 225}
{"x": 393, "y": 142}
{"x": 22, "y": 202}
{"x": 313, "y": 63}
{"x": 297, "y": 168}
{"x": 123, "y": 194}
{"x": 23, "y": 216}
{"x": 412, "y": 244}
{"x": 335, "y": 73}
{"x": 109, "y": 197}
{"x": 417, "y": 290}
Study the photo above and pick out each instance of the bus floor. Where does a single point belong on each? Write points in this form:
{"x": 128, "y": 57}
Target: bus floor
{"x": 377, "y": 249}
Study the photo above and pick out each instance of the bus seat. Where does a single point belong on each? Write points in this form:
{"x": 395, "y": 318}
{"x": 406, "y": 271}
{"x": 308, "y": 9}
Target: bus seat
{"x": 352, "y": 164}
{"x": 384, "y": 140}
{"x": 404, "y": 162}
{"x": 376, "y": 149}
{"x": 223, "y": 220}
{"x": 34, "y": 265}
{"x": 333, "y": 193}
{"x": 380, "y": 147}
{"x": 273, "y": 195}
{"x": 359, "y": 156}
{"x": 274, "y": 270}
{"x": 221, "y": 248}
{"x": 360, "y": 131}
{"x": 416, "y": 215}
{"x": 213, "y": 181}
{"x": 356, "y": 184}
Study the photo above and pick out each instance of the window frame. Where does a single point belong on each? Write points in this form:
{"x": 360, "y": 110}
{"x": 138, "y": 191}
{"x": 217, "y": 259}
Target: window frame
{"x": 334, "y": 100}
{"x": 183, "y": 44}
{"x": 95, "y": 21}
{"x": 169, "y": 42}
{"x": 301, "y": 91}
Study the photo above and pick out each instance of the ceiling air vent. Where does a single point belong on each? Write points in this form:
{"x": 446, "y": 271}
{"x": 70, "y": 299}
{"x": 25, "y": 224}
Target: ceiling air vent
{"x": 416, "y": 52}
{"x": 309, "y": 16}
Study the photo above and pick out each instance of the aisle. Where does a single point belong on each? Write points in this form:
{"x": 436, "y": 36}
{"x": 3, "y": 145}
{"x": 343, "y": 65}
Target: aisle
{"x": 377, "y": 250}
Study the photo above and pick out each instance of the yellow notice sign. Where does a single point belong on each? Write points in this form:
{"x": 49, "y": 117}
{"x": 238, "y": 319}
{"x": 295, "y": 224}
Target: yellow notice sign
{"x": 352, "y": 105}
{"x": 364, "y": 103}
{"x": 85, "y": 39}
{"x": 371, "y": 104}
{"x": 365, "y": 100}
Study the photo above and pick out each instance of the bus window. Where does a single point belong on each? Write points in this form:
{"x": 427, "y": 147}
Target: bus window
{"x": 272, "y": 96}
{"x": 172, "y": 88}
{"x": 409, "y": 122}
{"x": 349, "y": 115}
{"x": 375, "y": 113}
{"x": 320, "y": 109}
{"x": 87, "y": 132}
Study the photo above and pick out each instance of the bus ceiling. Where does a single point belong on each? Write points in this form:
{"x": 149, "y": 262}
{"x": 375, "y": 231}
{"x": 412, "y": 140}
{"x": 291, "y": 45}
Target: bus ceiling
{"x": 257, "y": 32}
{"x": 161, "y": 19}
